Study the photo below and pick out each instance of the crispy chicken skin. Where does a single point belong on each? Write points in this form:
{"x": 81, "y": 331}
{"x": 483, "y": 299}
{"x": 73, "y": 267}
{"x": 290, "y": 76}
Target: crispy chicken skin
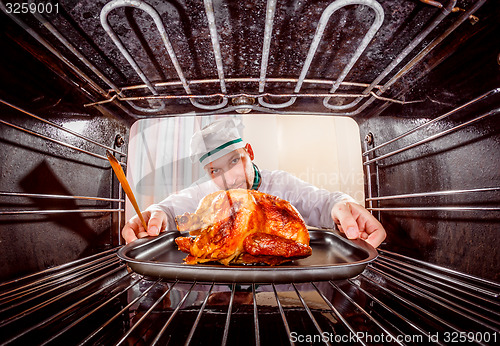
{"x": 243, "y": 226}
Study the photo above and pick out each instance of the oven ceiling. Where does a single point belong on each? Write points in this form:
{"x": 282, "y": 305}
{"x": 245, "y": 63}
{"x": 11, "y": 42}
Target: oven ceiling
{"x": 225, "y": 52}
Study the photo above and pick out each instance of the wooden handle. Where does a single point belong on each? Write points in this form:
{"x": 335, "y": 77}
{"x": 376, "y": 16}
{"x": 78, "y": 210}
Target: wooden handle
{"x": 126, "y": 187}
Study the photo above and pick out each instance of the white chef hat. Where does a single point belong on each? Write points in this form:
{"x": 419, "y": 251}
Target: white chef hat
{"x": 216, "y": 140}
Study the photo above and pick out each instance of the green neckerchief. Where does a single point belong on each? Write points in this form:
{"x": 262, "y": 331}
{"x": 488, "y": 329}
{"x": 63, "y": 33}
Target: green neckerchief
{"x": 257, "y": 177}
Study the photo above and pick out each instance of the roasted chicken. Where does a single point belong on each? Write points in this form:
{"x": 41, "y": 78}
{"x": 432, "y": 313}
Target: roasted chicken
{"x": 242, "y": 227}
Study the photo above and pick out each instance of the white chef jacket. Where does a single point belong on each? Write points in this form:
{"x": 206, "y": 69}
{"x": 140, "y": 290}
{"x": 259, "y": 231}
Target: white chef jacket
{"x": 313, "y": 204}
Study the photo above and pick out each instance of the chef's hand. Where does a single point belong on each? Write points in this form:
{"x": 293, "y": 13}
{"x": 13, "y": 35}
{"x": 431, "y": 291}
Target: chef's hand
{"x": 156, "y": 221}
{"x": 357, "y": 222}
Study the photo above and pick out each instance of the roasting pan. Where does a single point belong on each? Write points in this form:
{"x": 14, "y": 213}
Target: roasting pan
{"x": 334, "y": 257}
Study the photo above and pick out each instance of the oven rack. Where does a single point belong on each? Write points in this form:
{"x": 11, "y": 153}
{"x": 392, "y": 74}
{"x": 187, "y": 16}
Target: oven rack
{"x": 371, "y": 92}
{"x": 67, "y": 145}
{"x": 397, "y": 299}
{"x": 373, "y": 157}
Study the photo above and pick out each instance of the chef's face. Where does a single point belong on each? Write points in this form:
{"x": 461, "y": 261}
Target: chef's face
{"x": 232, "y": 171}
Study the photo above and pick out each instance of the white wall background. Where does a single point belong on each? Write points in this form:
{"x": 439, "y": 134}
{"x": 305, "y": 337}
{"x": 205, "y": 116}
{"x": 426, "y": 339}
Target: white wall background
{"x": 324, "y": 151}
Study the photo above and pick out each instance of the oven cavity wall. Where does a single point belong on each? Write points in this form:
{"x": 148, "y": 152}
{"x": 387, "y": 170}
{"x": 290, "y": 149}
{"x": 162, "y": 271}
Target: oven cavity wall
{"x": 434, "y": 165}
{"x": 59, "y": 199}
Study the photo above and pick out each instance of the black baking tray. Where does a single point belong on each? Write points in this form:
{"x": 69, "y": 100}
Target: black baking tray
{"x": 334, "y": 257}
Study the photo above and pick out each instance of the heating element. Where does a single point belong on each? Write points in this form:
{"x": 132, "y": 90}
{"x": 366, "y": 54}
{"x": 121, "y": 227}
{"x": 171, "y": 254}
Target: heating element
{"x": 248, "y": 87}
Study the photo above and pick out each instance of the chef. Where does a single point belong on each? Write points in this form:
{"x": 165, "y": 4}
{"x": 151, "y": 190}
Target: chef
{"x": 228, "y": 162}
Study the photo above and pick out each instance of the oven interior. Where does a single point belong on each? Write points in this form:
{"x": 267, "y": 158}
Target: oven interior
{"x": 420, "y": 78}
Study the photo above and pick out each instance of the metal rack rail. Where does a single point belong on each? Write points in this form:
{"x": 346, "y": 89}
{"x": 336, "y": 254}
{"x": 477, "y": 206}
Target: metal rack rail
{"x": 410, "y": 65}
{"x": 396, "y": 300}
{"x": 67, "y": 145}
{"x": 83, "y": 210}
{"x": 61, "y": 128}
{"x": 372, "y": 162}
